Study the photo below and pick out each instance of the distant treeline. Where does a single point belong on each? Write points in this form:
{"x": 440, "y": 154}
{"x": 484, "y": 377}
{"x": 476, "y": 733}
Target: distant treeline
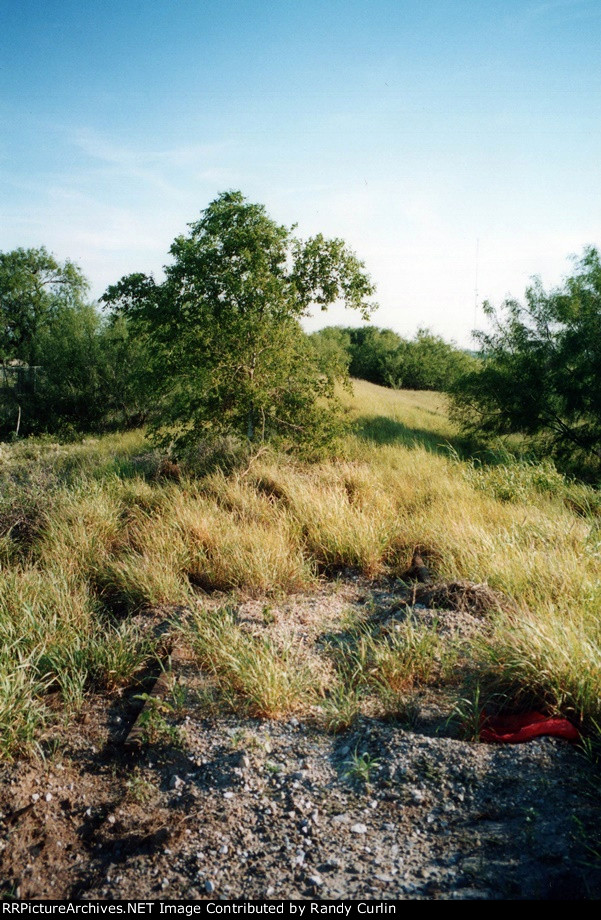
{"x": 381, "y": 356}
{"x": 68, "y": 366}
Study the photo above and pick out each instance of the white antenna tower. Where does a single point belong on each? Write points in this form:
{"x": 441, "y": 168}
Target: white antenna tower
{"x": 476, "y": 283}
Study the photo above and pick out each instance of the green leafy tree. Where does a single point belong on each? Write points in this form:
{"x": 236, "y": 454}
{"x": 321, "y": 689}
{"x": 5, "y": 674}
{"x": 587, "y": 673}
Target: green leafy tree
{"x": 427, "y": 362}
{"x": 541, "y": 373}
{"x": 72, "y": 369}
{"x": 229, "y": 355}
{"x": 332, "y": 347}
{"x": 127, "y": 372}
{"x": 70, "y": 393}
{"x": 375, "y": 355}
{"x": 33, "y": 287}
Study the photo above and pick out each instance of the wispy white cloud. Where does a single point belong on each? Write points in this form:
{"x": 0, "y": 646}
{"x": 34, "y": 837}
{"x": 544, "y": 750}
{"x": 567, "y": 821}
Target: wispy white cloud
{"x": 566, "y": 9}
{"x": 113, "y": 207}
{"x": 166, "y": 170}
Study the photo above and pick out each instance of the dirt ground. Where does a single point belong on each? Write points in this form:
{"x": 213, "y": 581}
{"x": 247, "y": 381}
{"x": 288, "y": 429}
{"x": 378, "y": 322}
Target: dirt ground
{"x": 224, "y": 806}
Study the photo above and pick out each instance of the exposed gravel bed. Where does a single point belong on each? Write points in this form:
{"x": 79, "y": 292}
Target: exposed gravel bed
{"x": 243, "y": 808}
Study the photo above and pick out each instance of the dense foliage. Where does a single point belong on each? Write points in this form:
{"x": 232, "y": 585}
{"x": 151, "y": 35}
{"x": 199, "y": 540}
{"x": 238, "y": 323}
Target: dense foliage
{"x": 228, "y": 349}
{"x": 65, "y": 366}
{"x": 34, "y": 288}
{"x": 381, "y": 356}
{"x": 541, "y": 377}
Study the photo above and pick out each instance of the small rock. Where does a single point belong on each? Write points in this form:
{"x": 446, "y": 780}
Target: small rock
{"x": 315, "y": 881}
{"x": 340, "y": 819}
{"x": 209, "y": 886}
{"x": 175, "y": 782}
{"x": 111, "y": 819}
{"x": 228, "y": 795}
{"x": 223, "y": 850}
{"x": 358, "y": 828}
{"x": 48, "y": 796}
{"x": 35, "y": 797}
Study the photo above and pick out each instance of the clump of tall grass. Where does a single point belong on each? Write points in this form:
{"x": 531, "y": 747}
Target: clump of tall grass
{"x": 23, "y": 715}
{"x": 340, "y": 707}
{"x": 397, "y": 658}
{"x": 406, "y": 656}
{"x": 234, "y": 539}
{"x": 545, "y": 660}
{"x": 386, "y": 665}
{"x": 267, "y": 680}
{"x": 54, "y": 638}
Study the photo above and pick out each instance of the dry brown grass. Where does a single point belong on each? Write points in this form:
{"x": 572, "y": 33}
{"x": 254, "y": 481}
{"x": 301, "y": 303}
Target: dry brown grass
{"x": 105, "y": 542}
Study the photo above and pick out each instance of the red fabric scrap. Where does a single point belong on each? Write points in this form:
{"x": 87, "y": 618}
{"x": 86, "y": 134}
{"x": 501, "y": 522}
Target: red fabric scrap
{"x": 525, "y": 727}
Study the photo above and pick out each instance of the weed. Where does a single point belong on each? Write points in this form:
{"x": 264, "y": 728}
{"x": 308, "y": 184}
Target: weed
{"x": 428, "y": 769}
{"x": 530, "y": 815}
{"x": 401, "y": 708}
{"x": 139, "y": 789}
{"x": 178, "y": 697}
{"x": 273, "y": 768}
{"x": 468, "y": 715}
{"x": 360, "y": 768}
{"x": 340, "y": 708}
{"x": 241, "y": 738}
{"x": 156, "y": 729}
{"x": 52, "y": 749}
{"x": 268, "y": 615}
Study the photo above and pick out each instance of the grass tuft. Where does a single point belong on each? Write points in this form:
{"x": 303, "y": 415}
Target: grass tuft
{"x": 267, "y": 680}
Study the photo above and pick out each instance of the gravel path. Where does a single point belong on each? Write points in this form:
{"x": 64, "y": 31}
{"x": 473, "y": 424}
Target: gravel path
{"x": 253, "y": 809}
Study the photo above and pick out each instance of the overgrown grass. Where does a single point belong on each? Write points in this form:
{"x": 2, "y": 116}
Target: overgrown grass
{"x": 270, "y": 680}
{"x": 385, "y": 666}
{"x": 90, "y": 534}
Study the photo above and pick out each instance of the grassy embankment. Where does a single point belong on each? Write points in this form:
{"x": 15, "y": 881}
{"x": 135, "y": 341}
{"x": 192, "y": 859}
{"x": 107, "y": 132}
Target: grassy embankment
{"x": 91, "y": 535}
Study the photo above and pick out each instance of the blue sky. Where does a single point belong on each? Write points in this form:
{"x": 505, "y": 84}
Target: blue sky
{"x": 410, "y": 129}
